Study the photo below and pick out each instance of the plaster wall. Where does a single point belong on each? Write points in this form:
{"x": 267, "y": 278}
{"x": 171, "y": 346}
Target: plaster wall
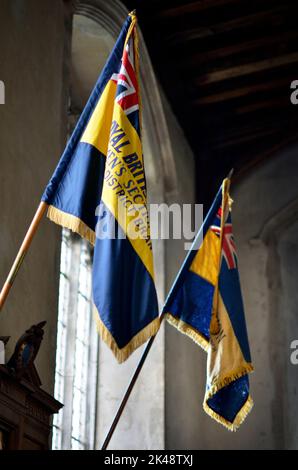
{"x": 265, "y": 215}
{"x": 33, "y": 41}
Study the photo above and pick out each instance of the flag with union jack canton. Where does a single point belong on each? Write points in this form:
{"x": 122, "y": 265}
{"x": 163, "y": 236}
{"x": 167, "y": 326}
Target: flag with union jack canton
{"x": 99, "y": 191}
{"x": 206, "y": 304}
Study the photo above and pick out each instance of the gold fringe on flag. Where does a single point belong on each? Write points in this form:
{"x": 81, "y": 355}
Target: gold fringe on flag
{"x": 228, "y": 379}
{"x": 187, "y": 330}
{"x": 199, "y": 339}
{"x": 71, "y": 222}
{"x": 240, "y": 417}
{"x": 140, "y": 338}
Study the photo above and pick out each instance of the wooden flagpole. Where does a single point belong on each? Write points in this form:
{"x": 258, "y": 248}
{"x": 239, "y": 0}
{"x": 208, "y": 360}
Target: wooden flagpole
{"x": 145, "y": 354}
{"x": 22, "y": 252}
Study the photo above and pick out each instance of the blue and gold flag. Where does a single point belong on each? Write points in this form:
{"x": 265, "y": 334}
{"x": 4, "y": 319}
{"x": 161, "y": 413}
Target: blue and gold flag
{"x": 206, "y": 304}
{"x": 99, "y": 188}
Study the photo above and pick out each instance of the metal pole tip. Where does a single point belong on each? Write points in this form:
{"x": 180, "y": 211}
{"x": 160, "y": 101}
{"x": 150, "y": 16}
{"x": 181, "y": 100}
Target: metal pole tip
{"x": 230, "y": 174}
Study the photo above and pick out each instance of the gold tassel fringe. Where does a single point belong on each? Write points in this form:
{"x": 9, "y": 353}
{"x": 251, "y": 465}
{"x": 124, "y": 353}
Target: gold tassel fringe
{"x": 241, "y": 415}
{"x": 187, "y": 330}
{"x": 71, "y": 222}
{"x": 199, "y": 339}
{"x": 139, "y": 339}
{"x": 229, "y": 378}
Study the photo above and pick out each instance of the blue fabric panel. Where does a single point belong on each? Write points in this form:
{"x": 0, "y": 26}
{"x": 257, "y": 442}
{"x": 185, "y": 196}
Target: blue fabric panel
{"x": 193, "y": 303}
{"x": 230, "y": 399}
{"x": 123, "y": 290}
{"x": 79, "y": 192}
{"x": 230, "y": 290}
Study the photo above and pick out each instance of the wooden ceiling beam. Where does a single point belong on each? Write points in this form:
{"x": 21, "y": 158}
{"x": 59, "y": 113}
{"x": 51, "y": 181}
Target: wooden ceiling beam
{"x": 205, "y": 29}
{"x": 246, "y": 69}
{"x": 239, "y": 134}
{"x": 188, "y": 91}
{"x": 224, "y": 122}
{"x": 244, "y": 139}
{"x": 235, "y": 131}
{"x": 281, "y": 102}
{"x": 242, "y": 91}
{"x": 194, "y": 7}
{"x": 232, "y": 64}
{"x": 205, "y": 56}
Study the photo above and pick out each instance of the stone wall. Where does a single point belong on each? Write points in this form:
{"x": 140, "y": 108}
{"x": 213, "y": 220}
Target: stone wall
{"x": 33, "y": 38}
{"x": 265, "y": 215}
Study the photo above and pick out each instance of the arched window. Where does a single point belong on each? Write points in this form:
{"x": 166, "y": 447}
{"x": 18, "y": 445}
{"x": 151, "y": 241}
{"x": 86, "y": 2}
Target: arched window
{"x": 77, "y": 348}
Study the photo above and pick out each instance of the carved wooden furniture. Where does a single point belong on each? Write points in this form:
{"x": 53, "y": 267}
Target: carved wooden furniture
{"x": 25, "y": 411}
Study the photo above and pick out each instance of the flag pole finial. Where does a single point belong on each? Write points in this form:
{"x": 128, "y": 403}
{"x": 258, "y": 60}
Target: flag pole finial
{"x": 231, "y": 172}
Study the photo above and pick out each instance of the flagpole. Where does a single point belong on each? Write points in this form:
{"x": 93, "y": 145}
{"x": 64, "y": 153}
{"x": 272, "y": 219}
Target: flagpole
{"x": 151, "y": 340}
{"x": 22, "y": 252}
